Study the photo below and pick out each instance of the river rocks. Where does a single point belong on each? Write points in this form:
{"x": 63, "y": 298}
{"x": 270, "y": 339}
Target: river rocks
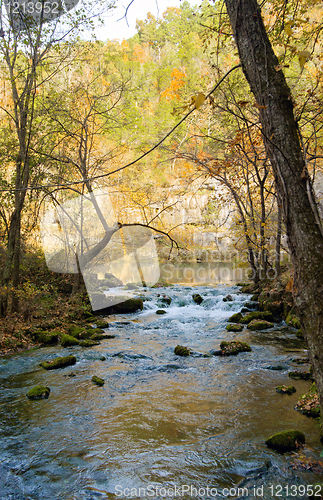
{"x": 76, "y": 331}
{"x": 255, "y": 297}
{"x": 198, "y": 299}
{"x": 180, "y": 350}
{"x": 235, "y": 318}
{"x": 88, "y": 343}
{"x": 249, "y": 288}
{"x": 128, "y": 306}
{"x": 59, "y": 362}
{"x": 47, "y": 338}
{"x": 68, "y": 340}
{"x": 286, "y": 389}
{"x": 165, "y": 299}
{"x": 97, "y": 380}
{"x": 232, "y": 348}
{"x": 300, "y": 375}
{"x": 292, "y": 320}
{"x": 264, "y": 315}
{"x": 161, "y": 311}
{"x": 234, "y": 328}
{"x": 228, "y": 298}
{"x": 259, "y": 324}
{"x": 38, "y": 392}
{"x": 101, "y": 323}
{"x": 286, "y": 441}
{"x": 111, "y": 280}
{"x": 309, "y": 403}
{"x": 131, "y": 286}
{"x": 101, "y": 336}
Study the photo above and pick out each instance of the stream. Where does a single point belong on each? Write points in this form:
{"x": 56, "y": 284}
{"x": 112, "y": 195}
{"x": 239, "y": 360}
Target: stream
{"x": 160, "y": 420}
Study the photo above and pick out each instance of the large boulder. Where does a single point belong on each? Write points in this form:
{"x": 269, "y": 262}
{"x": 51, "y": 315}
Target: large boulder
{"x": 286, "y": 441}
{"x": 235, "y": 318}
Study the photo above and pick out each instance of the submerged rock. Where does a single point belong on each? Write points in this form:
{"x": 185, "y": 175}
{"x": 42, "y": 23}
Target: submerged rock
{"x": 232, "y": 348}
{"x": 180, "y": 350}
{"x": 259, "y": 324}
{"x": 234, "y": 328}
{"x": 286, "y": 389}
{"x": 68, "y": 340}
{"x": 286, "y": 441}
{"x": 38, "y": 392}
{"x": 161, "y": 311}
{"x": 235, "y": 318}
{"x": 97, "y": 380}
{"x": 309, "y": 404}
{"x": 59, "y": 362}
{"x": 198, "y": 299}
{"x": 228, "y": 298}
{"x": 165, "y": 299}
{"x": 101, "y": 336}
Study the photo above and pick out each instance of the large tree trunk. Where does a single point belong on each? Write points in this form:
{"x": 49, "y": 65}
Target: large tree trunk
{"x": 281, "y": 137}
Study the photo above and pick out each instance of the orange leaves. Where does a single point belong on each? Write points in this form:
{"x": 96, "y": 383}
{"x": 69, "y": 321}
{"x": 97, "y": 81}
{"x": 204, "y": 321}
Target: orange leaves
{"x": 177, "y": 81}
{"x": 140, "y": 53}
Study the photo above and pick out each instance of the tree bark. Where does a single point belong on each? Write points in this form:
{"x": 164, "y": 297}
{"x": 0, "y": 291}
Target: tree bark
{"x": 281, "y": 137}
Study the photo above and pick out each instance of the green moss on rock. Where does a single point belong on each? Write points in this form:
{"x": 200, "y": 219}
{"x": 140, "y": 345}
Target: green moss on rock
{"x": 292, "y": 320}
{"x": 47, "y": 338}
{"x": 259, "y": 324}
{"x": 286, "y": 389}
{"x": 68, "y": 340}
{"x": 100, "y": 323}
{"x": 180, "y": 350}
{"x": 234, "y": 328}
{"x": 235, "y": 318}
{"x": 300, "y": 375}
{"x": 59, "y": 362}
{"x": 97, "y": 380}
{"x": 88, "y": 343}
{"x": 233, "y": 348}
{"x": 309, "y": 404}
{"x": 264, "y": 315}
{"x": 198, "y": 299}
{"x": 286, "y": 441}
{"x": 38, "y": 392}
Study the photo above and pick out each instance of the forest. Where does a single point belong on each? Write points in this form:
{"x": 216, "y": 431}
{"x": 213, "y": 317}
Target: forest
{"x": 197, "y": 141}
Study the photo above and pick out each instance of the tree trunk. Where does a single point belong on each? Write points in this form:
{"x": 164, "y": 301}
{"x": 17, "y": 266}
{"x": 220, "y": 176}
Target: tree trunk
{"x": 282, "y": 142}
{"x": 278, "y": 238}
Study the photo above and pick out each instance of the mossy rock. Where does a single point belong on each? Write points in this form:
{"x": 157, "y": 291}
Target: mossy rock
{"x": 68, "y": 340}
{"x": 265, "y": 315}
{"x": 250, "y": 288}
{"x": 97, "y": 380}
{"x": 234, "y": 328}
{"x": 131, "y": 286}
{"x": 101, "y": 336}
{"x": 165, "y": 299}
{"x": 286, "y": 389}
{"x": 38, "y": 392}
{"x": 100, "y": 323}
{"x": 233, "y": 348}
{"x": 255, "y": 297}
{"x": 235, "y": 318}
{"x": 88, "y": 343}
{"x": 198, "y": 299}
{"x": 161, "y": 311}
{"x": 309, "y": 404}
{"x": 300, "y": 375}
{"x": 76, "y": 331}
{"x": 292, "y": 320}
{"x": 91, "y": 319}
{"x": 47, "y": 338}
{"x": 286, "y": 441}
{"x": 180, "y": 350}
{"x": 59, "y": 363}
{"x": 259, "y": 324}
{"x": 242, "y": 283}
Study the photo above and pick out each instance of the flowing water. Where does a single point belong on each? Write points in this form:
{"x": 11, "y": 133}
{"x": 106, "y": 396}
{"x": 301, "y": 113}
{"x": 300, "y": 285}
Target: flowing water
{"x": 160, "y": 420}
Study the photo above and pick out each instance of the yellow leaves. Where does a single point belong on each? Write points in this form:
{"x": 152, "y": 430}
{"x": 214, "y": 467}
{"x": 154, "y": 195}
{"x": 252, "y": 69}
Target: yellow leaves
{"x": 303, "y": 56}
{"x": 288, "y": 28}
{"x": 281, "y": 66}
{"x": 198, "y": 100}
